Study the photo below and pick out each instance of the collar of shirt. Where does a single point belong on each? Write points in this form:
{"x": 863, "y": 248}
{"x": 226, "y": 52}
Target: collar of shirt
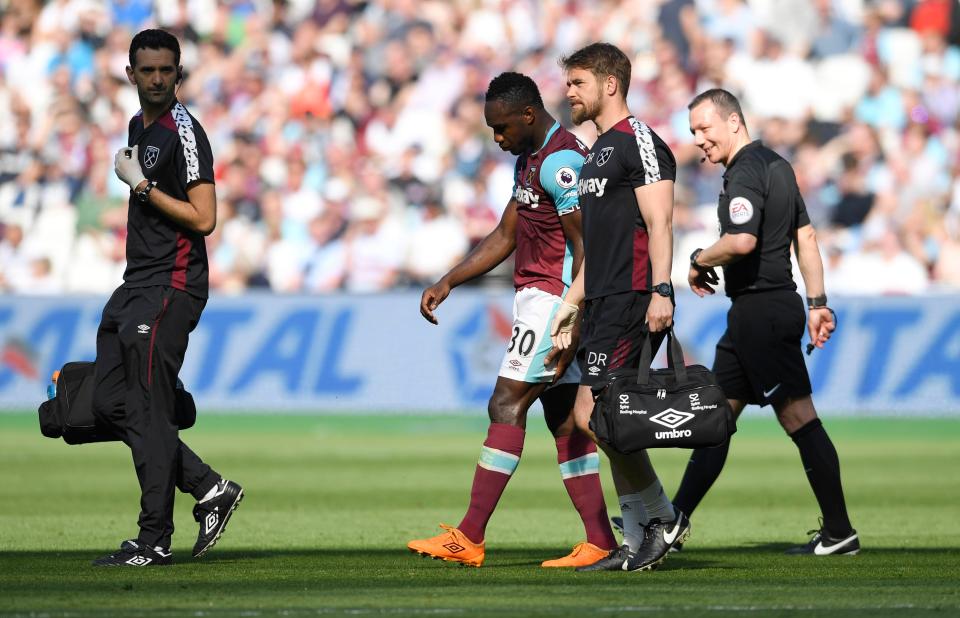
{"x": 553, "y": 129}
{"x": 754, "y": 144}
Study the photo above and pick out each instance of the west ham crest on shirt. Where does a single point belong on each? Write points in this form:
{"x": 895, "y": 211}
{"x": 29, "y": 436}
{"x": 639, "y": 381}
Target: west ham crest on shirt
{"x": 150, "y": 156}
{"x": 604, "y": 155}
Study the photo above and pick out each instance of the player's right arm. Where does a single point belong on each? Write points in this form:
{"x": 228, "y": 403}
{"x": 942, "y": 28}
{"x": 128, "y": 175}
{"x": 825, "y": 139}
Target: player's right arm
{"x": 492, "y": 250}
{"x": 565, "y": 319}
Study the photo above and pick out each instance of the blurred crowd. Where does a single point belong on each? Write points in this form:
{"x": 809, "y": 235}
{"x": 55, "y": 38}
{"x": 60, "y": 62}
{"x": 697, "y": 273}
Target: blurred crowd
{"x": 351, "y": 151}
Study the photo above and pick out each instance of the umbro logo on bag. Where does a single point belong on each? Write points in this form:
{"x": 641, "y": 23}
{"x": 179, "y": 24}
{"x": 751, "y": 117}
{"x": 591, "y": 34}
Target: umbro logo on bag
{"x": 139, "y": 561}
{"x": 671, "y": 418}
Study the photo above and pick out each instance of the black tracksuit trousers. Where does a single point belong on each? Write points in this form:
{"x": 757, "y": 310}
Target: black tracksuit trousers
{"x": 141, "y": 344}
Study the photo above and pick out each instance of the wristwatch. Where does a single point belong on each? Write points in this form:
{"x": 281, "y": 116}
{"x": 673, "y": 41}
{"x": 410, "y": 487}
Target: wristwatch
{"x": 816, "y": 302}
{"x": 663, "y": 289}
{"x": 693, "y": 259}
{"x": 143, "y": 195}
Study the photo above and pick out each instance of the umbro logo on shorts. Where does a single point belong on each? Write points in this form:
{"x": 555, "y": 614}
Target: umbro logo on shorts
{"x": 143, "y": 329}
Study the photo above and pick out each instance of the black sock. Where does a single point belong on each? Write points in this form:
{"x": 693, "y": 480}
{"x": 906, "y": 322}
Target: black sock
{"x": 822, "y": 466}
{"x": 702, "y": 471}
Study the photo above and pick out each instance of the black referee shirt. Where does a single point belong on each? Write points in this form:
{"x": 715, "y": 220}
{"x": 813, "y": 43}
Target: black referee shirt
{"x": 760, "y": 197}
{"x": 174, "y": 151}
{"x": 615, "y": 241}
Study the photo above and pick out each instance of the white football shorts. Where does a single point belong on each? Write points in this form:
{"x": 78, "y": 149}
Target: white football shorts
{"x": 533, "y": 312}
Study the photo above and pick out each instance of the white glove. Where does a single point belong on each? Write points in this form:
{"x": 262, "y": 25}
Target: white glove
{"x": 127, "y": 166}
{"x": 561, "y": 332}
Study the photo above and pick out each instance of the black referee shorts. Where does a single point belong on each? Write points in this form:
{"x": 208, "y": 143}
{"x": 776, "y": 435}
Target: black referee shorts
{"x": 759, "y": 359}
{"x": 612, "y": 335}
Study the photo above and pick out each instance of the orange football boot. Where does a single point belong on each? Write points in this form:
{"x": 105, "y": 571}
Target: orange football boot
{"x": 452, "y": 546}
{"x": 583, "y": 554}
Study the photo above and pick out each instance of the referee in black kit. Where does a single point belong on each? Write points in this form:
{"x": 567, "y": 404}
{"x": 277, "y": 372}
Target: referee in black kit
{"x": 145, "y": 326}
{"x": 758, "y": 359}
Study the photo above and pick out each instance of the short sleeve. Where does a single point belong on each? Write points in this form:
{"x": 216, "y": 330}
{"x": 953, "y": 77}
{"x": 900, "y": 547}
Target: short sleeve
{"x": 558, "y": 177}
{"x": 742, "y": 203}
{"x": 193, "y": 159}
{"x": 651, "y": 161}
{"x": 802, "y": 217}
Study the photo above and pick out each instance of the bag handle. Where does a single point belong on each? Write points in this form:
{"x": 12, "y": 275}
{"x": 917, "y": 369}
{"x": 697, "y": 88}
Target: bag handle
{"x": 674, "y": 358}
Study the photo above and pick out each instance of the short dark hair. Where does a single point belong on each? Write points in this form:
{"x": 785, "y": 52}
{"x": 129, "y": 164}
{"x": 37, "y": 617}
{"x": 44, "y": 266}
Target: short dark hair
{"x": 601, "y": 59}
{"x": 514, "y": 89}
{"x": 723, "y": 100}
{"x": 154, "y": 39}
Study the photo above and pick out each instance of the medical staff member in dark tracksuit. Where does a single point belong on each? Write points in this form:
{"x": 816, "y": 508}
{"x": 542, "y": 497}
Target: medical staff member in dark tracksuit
{"x": 146, "y": 324}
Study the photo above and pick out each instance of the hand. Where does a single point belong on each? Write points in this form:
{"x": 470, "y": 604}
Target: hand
{"x": 701, "y": 280}
{"x": 127, "y": 166}
{"x": 820, "y": 325}
{"x": 563, "y": 358}
{"x": 564, "y": 322}
{"x": 431, "y": 299}
{"x": 659, "y": 313}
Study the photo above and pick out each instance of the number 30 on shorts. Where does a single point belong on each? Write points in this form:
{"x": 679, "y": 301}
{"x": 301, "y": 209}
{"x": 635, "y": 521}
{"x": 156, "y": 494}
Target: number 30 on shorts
{"x": 527, "y": 339}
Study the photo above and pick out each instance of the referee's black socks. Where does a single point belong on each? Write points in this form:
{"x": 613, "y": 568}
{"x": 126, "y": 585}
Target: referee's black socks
{"x": 822, "y": 466}
{"x": 702, "y": 471}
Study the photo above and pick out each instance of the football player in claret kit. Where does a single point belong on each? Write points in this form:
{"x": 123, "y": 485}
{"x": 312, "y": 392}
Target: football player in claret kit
{"x": 541, "y": 225}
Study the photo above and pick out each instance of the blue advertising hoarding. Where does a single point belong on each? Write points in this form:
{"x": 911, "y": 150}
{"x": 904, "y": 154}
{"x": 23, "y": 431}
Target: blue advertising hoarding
{"x": 376, "y": 353}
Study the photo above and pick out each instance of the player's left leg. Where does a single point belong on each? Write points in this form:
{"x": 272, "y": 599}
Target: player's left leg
{"x": 499, "y": 458}
{"x": 580, "y": 470}
{"x": 798, "y": 417}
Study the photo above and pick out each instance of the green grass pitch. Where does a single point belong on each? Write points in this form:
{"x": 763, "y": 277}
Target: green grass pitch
{"x": 331, "y": 502}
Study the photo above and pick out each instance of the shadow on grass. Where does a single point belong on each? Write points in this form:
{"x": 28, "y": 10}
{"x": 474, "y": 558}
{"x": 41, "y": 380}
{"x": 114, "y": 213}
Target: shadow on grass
{"x": 351, "y": 581}
{"x": 499, "y": 558}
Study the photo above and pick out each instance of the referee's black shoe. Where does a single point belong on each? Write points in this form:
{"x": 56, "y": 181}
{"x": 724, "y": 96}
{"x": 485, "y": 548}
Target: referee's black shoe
{"x": 613, "y": 561}
{"x": 617, "y": 523}
{"x": 822, "y": 544}
{"x": 658, "y": 538}
{"x": 213, "y": 514}
{"x": 135, "y": 554}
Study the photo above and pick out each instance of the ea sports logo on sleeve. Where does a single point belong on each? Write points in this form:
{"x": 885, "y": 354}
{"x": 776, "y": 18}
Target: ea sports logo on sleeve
{"x": 741, "y": 210}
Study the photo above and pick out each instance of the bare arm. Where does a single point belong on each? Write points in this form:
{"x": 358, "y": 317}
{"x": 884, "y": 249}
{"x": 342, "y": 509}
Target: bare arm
{"x": 492, "y": 250}
{"x": 573, "y": 229}
{"x": 656, "y": 205}
{"x": 808, "y": 258}
{"x": 572, "y": 225}
{"x": 727, "y": 250}
{"x": 199, "y": 214}
{"x": 820, "y": 321}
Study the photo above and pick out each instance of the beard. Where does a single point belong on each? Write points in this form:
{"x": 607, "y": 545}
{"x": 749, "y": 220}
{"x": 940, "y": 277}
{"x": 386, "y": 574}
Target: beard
{"x": 588, "y": 110}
